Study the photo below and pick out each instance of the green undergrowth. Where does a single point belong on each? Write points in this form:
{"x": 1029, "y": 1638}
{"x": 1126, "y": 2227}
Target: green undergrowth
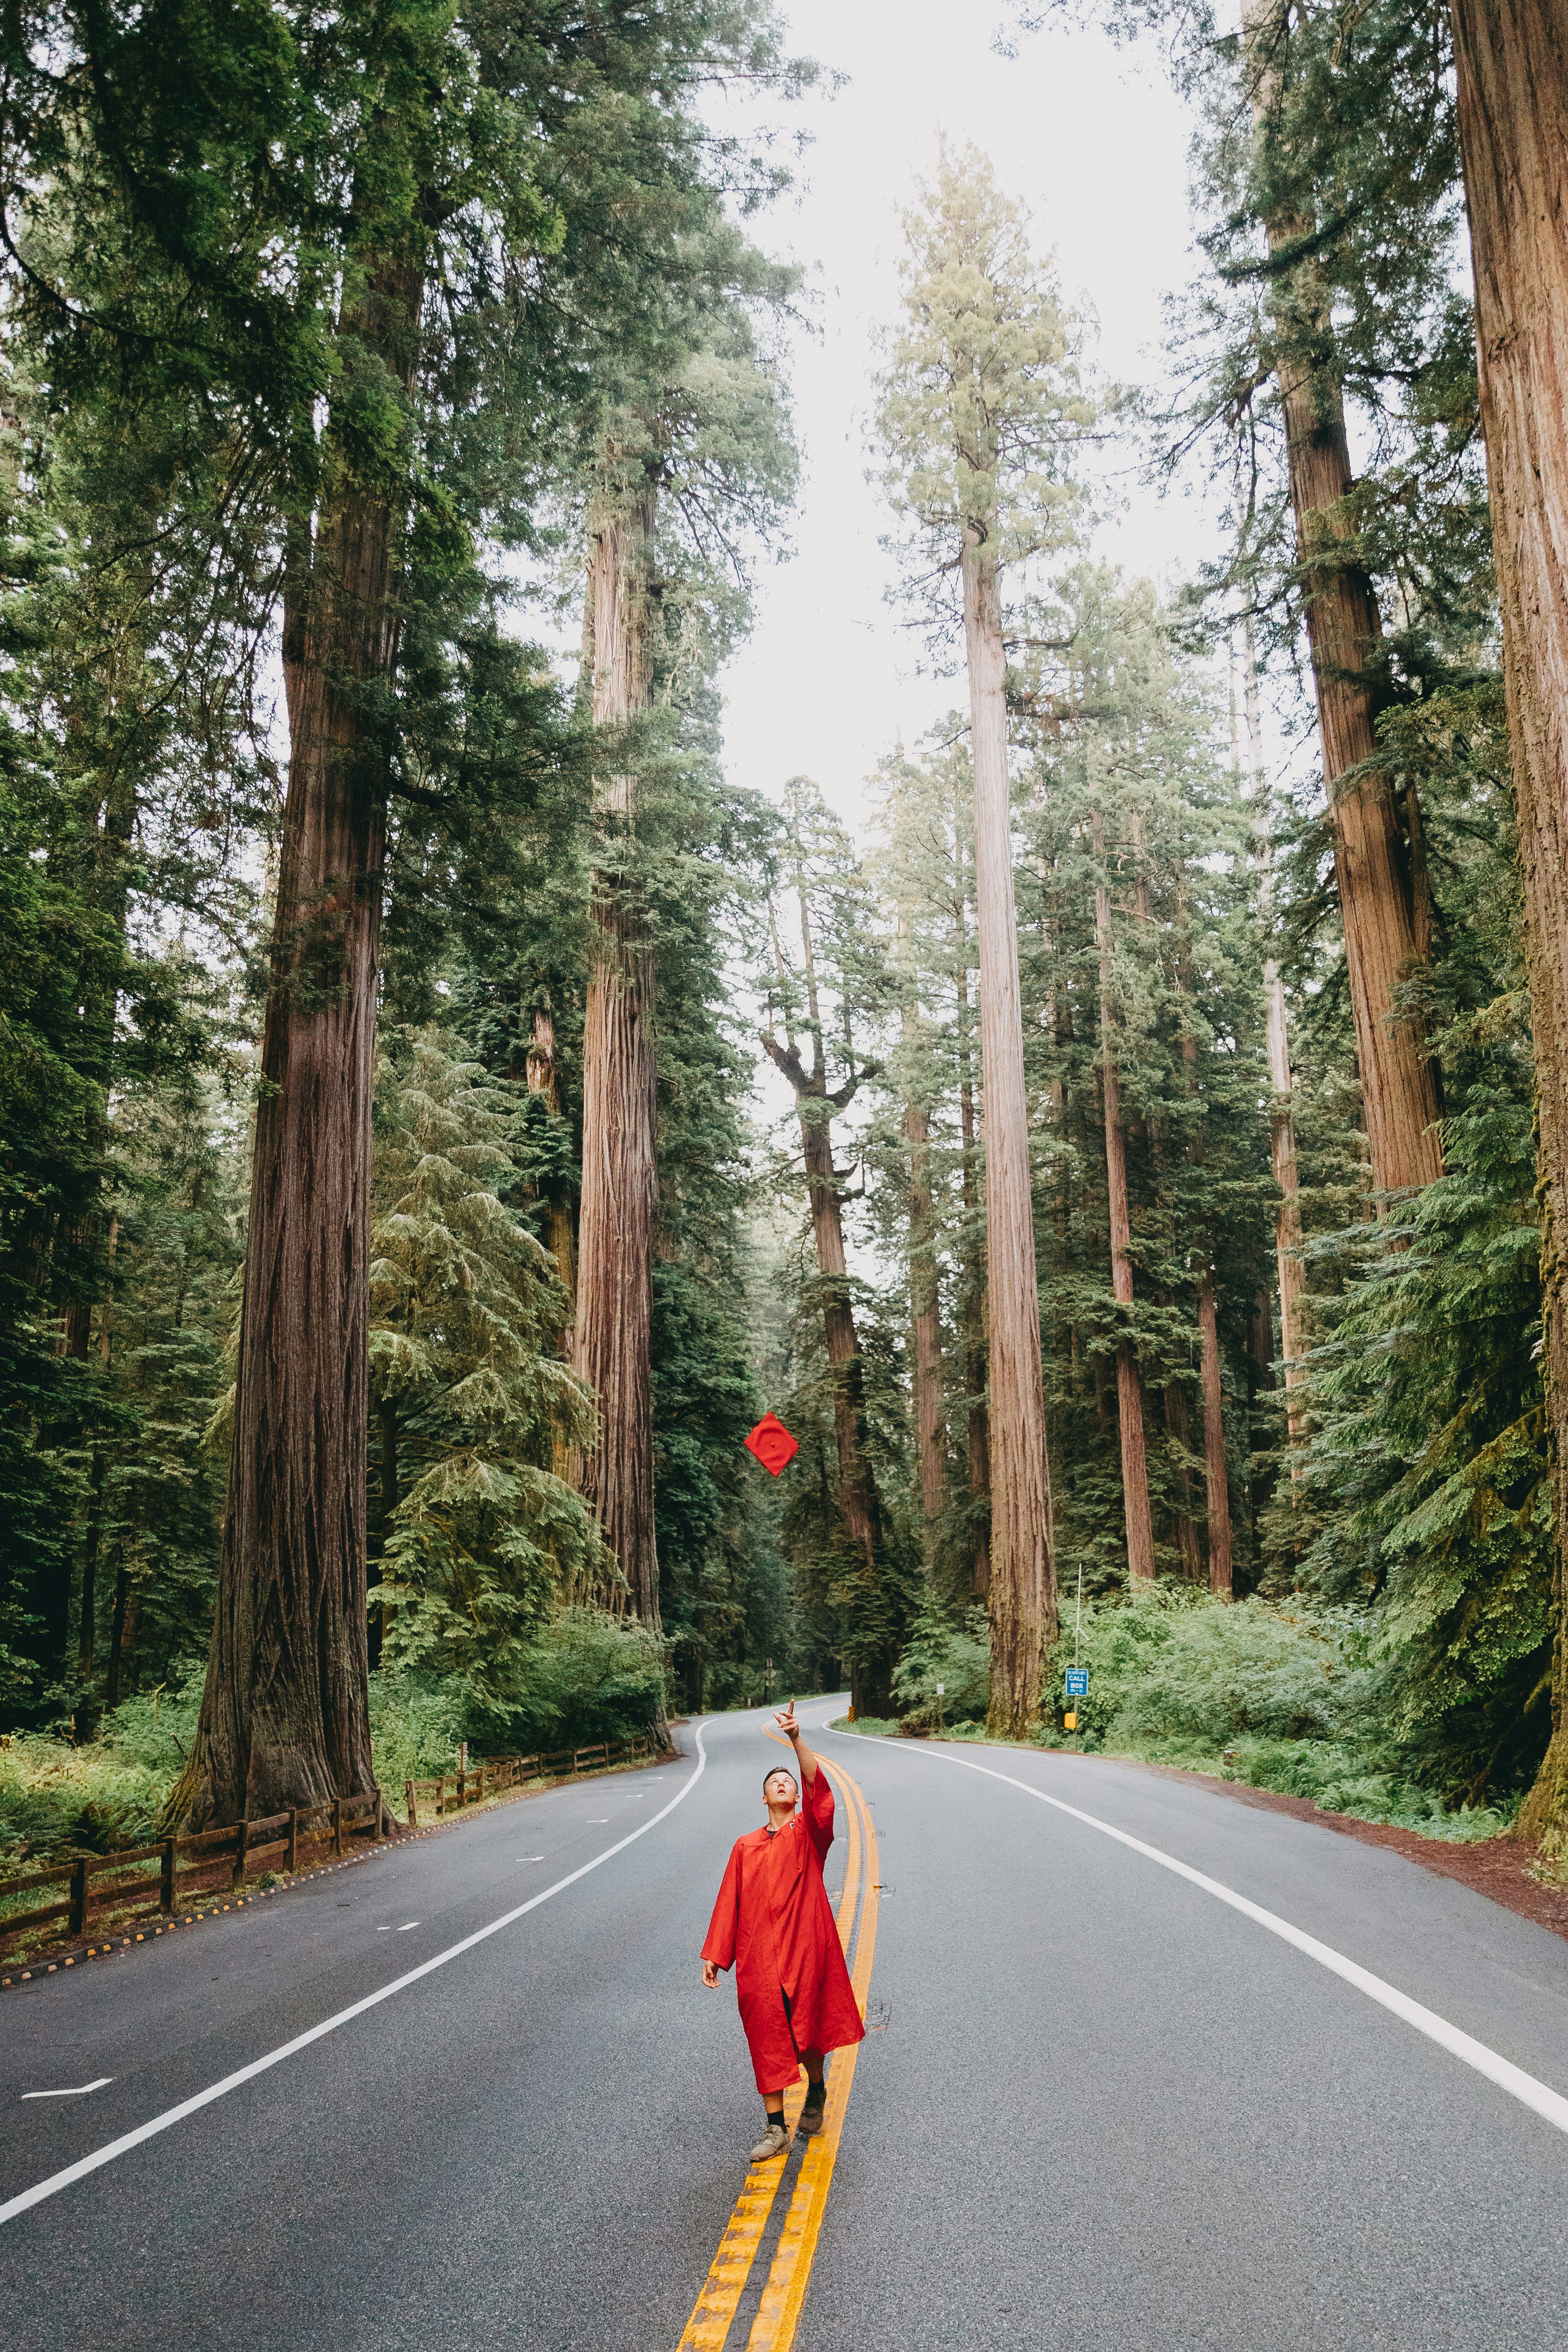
{"x": 1286, "y": 1697}
{"x": 584, "y": 1679}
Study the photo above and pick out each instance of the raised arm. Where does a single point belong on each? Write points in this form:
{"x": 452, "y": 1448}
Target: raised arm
{"x": 786, "y": 1724}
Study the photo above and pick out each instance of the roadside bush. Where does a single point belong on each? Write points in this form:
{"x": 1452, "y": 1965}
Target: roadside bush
{"x": 1291, "y": 1697}
{"x": 584, "y": 1677}
{"x": 958, "y": 1658}
{"x": 57, "y": 1798}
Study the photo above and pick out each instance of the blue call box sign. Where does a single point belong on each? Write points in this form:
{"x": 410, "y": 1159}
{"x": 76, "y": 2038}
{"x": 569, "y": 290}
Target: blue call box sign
{"x": 1077, "y": 1682}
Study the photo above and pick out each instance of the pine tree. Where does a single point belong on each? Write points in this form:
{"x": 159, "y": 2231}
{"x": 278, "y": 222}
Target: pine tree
{"x": 478, "y": 1536}
{"x": 1137, "y": 970}
{"x": 692, "y": 455}
{"x": 814, "y": 993}
{"x": 979, "y": 400}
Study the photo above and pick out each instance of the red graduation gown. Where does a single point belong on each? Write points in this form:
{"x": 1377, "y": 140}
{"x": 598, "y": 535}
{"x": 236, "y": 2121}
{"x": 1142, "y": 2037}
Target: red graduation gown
{"x": 773, "y": 1920}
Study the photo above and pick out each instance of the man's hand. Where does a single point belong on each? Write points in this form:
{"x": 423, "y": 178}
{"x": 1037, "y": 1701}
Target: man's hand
{"x": 785, "y": 1719}
{"x": 710, "y": 1974}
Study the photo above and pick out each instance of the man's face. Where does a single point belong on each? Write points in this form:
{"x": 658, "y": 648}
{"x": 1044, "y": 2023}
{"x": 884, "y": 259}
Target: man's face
{"x": 780, "y": 1788}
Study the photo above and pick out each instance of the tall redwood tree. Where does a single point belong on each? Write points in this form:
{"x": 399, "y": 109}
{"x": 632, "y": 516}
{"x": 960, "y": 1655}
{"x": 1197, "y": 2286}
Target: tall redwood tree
{"x": 1512, "y": 63}
{"x": 979, "y": 400}
{"x": 620, "y": 1078}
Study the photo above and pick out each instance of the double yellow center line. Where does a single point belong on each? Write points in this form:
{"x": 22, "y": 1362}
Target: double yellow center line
{"x": 779, "y": 2313}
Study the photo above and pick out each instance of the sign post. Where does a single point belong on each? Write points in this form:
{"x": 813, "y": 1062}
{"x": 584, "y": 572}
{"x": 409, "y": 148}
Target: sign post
{"x": 1077, "y": 1676}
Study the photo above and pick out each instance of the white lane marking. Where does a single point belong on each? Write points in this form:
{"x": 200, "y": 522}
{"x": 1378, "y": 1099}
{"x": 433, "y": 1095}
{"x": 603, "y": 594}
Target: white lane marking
{"x": 406, "y": 1926}
{"x": 171, "y": 2115}
{"x": 1550, "y": 2104}
{"x": 383, "y": 1931}
{"x": 79, "y": 2092}
{"x": 599, "y": 1821}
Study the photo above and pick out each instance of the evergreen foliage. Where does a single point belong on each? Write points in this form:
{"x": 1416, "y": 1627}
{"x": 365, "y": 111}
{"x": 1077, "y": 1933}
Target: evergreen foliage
{"x": 207, "y": 208}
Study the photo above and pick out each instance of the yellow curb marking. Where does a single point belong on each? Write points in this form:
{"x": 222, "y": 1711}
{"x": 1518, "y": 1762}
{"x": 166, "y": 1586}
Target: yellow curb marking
{"x": 778, "y": 2315}
{"x": 715, "y": 2306}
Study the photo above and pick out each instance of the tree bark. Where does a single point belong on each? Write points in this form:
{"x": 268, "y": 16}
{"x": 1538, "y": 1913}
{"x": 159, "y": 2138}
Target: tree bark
{"x": 1376, "y": 896}
{"x": 924, "y": 1306}
{"x": 87, "y": 1620}
{"x": 858, "y": 1503}
{"x": 620, "y": 1092}
{"x": 1214, "y": 1462}
{"x": 815, "y": 1107}
{"x": 978, "y": 1440}
{"x": 1513, "y": 65}
{"x": 285, "y": 1714}
{"x": 1023, "y": 1553}
{"x": 1291, "y": 1272}
{"x": 121, "y": 1636}
{"x": 560, "y": 1240}
{"x": 1179, "y": 1425}
{"x": 1129, "y": 1391}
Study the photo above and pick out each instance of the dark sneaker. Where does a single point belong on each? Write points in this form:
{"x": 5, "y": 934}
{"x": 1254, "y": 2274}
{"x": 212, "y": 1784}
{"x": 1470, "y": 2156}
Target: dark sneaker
{"x": 774, "y": 2142}
{"x": 811, "y": 2115}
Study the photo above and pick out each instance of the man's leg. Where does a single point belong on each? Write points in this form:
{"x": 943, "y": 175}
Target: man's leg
{"x": 775, "y": 2137}
{"x": 816, "y": 2091}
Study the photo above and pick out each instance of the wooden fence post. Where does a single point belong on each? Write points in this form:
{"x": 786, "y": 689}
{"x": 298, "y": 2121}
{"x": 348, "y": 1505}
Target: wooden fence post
{"x": 242, "y": 1846}
{"x": 293, "y": 1861}
{"x": 413, "y": 1814}
{"x": 77, "y": 1922}
{"x": 441, "y": 1795}
{"x": 337, "y": 1825}
{"x": 166, "y": 1879}
{"x": 461, "y": 1786}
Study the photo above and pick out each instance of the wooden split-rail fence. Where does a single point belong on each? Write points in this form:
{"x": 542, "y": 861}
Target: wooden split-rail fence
{"x": 192, "y": 1868}
{"x": 189, "y": 1868}
{"x": 481, "y": 1780}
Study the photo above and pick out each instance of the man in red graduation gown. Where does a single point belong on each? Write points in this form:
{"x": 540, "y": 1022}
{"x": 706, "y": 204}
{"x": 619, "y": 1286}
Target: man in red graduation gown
{"x": 774, "y": 1922}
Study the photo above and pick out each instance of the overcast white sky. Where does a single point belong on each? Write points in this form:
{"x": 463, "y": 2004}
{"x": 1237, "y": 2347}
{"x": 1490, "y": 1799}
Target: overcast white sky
{"x": 1092, "y": 140}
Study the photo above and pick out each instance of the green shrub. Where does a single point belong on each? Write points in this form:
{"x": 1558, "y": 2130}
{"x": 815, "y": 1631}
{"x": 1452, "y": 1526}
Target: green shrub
{"x": 584, "y": 1677}
{"x": 57, "y": 1798}
{"x": 958, "y": 1658}
{"x": 1292, "y": 1698}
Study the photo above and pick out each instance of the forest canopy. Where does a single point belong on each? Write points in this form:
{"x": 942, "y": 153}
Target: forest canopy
{"x": 442, "y": 1109}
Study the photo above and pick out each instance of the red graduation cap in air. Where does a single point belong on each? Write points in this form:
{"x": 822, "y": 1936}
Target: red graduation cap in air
{"x": 772, "y": 1443}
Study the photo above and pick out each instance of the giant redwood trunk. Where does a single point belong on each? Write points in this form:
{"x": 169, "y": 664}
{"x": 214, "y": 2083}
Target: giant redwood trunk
{"x": 925, "y": 1313}
{"x": 1290, "y": 1273}
{"x": 285, "y": 1712}
{"x": 978, "y": 1440}
{"x": 1216, "y": 1474}
{"x": 1512, "y": 64}
{"x": 858, "y": 1504}
{"x": 620, "y": 1091}
{"x": 1384, "y": 929}
{"x": 1023, "y": 1562}
{"x": 1377, "y": 910}
{"x": 1129, "y": 1386}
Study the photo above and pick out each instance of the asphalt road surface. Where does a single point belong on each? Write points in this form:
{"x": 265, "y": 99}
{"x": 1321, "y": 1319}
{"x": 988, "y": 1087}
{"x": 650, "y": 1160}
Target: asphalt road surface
{"x": 1104, "y": 2108}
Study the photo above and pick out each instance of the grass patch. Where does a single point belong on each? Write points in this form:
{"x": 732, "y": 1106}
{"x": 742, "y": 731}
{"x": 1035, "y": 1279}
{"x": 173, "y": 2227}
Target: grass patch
{"x": 1287, "y": 1697}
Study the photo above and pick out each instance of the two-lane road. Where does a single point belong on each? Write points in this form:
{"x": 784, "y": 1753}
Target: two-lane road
{"x": 1107, "y": 2107}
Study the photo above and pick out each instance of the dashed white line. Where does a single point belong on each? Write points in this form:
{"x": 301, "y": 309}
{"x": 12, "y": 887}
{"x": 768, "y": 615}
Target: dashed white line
{"x": 78, "y": 2091}
{"x": 27, "y": 2198}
